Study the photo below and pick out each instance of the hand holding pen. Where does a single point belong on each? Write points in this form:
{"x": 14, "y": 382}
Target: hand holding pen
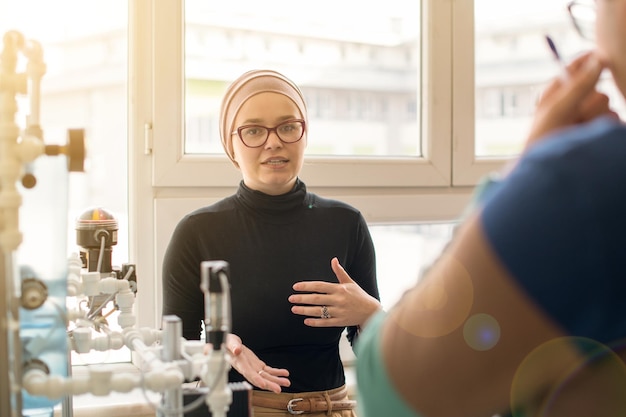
{"x": 571, "y": 98}
{"x": 557, "y": 56}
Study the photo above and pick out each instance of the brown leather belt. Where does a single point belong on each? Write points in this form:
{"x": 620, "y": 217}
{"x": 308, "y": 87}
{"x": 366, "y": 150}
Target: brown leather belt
{"x": 312, "y": 404}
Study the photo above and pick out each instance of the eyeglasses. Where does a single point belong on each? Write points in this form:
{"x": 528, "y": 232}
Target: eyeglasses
{"x": 583, "y": 15}
{"x": 255, "y": 136}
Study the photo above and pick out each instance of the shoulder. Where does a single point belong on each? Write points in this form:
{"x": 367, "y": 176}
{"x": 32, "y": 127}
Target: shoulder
{"x": 605, "y": 126}
{"x": 334, "y": 209}
{"x": 603, "y": 138}
{"x": 574, "y": 177}
{"x": 205, "y": 214}
{"x": 226, "y": 204}
{"x": 581, "y": 159}
{"x": 330, "y": 203}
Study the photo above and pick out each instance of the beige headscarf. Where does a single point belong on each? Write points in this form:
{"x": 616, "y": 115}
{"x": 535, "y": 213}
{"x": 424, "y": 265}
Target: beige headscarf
{"x": 247, "y": 85}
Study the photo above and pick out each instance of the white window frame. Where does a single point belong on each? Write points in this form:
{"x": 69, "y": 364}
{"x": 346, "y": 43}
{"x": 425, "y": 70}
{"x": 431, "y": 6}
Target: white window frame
{"x": 174, "y": 168}
{"x": 164, "y": 183}
{"x": 467, "y": 169}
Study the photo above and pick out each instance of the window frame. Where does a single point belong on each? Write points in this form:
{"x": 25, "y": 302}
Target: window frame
{"x": 174, "y": 168}
{"x": 467, "y": 168}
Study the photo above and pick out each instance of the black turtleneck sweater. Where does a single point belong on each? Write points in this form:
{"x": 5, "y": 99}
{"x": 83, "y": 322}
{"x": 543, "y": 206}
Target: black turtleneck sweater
{"x": 271, "y": 242}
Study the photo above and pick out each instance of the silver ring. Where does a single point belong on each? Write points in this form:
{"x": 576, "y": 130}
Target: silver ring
{"x": 261, "y": 371}
{"x": 325, "y": 313}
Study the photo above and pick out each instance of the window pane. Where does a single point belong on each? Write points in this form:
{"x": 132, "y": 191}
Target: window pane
{"x": 84, "y": 87}
{"x": 403, "y": 253}
{"x": 358, "y": 68}
{"x": 513, "y": 65}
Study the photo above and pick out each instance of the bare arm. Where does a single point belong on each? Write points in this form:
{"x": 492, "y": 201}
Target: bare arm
{"x": 436, "y": 366}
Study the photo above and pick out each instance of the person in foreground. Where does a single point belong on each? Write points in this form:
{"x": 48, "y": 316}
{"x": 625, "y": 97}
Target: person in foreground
{"x": 524, "y": 313}
{"x": 302, "y": 267}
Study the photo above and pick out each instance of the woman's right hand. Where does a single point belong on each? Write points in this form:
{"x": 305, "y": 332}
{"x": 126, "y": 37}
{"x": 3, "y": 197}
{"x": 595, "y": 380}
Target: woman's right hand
{"x": 256, "y": 372}
{"x": 570, "y": 99}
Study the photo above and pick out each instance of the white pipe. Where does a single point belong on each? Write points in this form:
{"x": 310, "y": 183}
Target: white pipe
{"x": 74, "y": 281}
{"x": 160, "y": 375}
{"x": 110, "y": 285}
{"x": 99, "y": 382}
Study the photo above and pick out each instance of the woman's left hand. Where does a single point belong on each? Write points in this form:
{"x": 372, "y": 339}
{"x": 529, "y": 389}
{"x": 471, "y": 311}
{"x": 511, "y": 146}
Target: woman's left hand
{"x": 251, "y": 367}
{"x": 333, "y": 305}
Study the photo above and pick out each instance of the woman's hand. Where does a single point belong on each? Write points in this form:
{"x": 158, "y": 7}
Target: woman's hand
{"x": 254, "y": 369}
{"x": 343, "y": 304}
{"x": 570, "y": 99}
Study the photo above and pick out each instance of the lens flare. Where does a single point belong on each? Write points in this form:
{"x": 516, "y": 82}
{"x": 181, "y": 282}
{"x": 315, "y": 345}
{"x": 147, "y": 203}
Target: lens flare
{"x": 481, "y": 332}
{"x": 570, "y": 376}
{"x": 437, "y": 308}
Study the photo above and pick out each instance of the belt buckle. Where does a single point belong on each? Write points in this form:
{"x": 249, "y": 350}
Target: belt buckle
{"x": 290, "y": 406}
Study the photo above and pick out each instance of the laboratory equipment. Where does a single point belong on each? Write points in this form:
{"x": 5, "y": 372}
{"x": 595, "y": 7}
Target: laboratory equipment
{"x": 96, "y": 233}
{"x": 38, "y": 327}
{"x": 33, "y": 297}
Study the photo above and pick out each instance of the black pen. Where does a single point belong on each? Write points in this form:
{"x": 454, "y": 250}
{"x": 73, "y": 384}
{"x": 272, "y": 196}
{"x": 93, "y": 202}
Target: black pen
{"x": 557, "y": 56}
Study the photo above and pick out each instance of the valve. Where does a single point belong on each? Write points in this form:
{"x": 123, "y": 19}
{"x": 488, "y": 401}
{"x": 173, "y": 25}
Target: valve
{"x": 34, "y": 293}
{"x": 74, "y": 150}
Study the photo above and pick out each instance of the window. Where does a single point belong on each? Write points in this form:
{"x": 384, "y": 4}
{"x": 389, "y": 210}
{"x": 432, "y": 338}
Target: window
{"x": 361, "y": 60}
{"x": 501, "y": 64}
{"x": 404, "y": 252}
{"x": 344, "y": 71}
{"x": 513, "y": 65}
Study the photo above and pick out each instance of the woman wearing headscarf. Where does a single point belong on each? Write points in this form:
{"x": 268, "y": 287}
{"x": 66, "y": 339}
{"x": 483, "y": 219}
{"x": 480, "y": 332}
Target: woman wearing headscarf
{"x": 302, "y": 267}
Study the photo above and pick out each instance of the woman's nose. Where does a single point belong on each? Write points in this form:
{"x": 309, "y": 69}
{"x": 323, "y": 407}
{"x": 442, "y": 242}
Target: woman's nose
{"x": 273, "y": 141}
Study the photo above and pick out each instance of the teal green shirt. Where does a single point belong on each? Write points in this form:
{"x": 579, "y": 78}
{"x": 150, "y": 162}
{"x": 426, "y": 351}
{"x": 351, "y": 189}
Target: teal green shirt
{"x": 376, "y": 394}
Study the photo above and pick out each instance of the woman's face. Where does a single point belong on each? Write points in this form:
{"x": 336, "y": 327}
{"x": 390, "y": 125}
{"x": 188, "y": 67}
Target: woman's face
{"x": 611, "y": 38}
{"x": 274, "y": 167}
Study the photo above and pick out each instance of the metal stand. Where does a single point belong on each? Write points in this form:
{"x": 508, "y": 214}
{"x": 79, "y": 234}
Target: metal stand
{"x": 67, "y": 406}
{"x": 10, "y": 357}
